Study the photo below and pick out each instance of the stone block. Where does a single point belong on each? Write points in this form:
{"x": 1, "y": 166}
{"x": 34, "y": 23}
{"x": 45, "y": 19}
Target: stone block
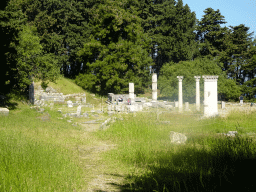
{"x": 147, "y": 104}
{"x": 168, "y": 106}
{"x": 79, "y": 110}
{"x": 4, "y": 111}
{"x": 84, "y": 100}
{"x": 86, "y": 115}
{"x": 177, "y": 137}
{"x": 223, "y": 105}
{"x": 70, "y": 103}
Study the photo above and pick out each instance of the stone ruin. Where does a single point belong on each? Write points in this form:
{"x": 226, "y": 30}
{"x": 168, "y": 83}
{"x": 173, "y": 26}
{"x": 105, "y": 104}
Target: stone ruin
{"x": 131, "y": 103}
{"x": 138, "y": 104}
{"x": 49, "y": 97}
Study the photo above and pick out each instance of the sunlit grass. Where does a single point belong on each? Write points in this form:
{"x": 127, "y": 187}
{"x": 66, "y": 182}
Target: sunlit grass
{"x": 38, "y": 152}
{"x": 206, "y": 162}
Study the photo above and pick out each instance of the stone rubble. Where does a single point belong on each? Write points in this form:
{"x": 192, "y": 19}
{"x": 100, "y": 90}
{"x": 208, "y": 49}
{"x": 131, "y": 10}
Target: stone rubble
{"x": 177, "y": 137}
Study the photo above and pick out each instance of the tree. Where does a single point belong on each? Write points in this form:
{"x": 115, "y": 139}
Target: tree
{"x": 23, "y": 56}
{"x": 210, "y": 34}
{"x": 63, "y": 29}
{"x": 117, "y": 52}
{"x": 173, "y": 35}
{"x": 11, "y": 22}
{"x": 236, "y": 54}
{"x": 30, "y": 60}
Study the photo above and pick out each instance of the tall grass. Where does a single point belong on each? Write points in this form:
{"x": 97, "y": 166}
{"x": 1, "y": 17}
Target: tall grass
{"x": 37, "y": 153}
{"x": 207, "y": 162}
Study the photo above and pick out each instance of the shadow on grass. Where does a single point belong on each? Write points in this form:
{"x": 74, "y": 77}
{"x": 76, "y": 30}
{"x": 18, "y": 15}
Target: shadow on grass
{"x": 229, "y": 165}
{"x": 6, "y": 102}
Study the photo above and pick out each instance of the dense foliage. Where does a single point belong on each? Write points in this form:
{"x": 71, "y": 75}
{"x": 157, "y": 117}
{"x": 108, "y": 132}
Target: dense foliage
{"x": 105, "y": 44}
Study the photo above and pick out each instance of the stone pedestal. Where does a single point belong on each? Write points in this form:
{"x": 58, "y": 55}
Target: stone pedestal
{"x": 210, "y": 96}
{"x": 154, "y": 87}
{"x": 131, "y": 92}
{"x": 223, "y": 105}
{"x": 197, "y": 92}
{"x": 180, "y": 93}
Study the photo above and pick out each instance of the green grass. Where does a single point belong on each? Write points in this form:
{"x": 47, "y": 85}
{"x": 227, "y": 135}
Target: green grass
{"x": 66, "y": 86}
{"x": 207, "y": 162}
{"x": 39, "y": 152}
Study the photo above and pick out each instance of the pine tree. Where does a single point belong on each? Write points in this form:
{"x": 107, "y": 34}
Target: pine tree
{"x": 173, "y": 34}
{"x": 118, "y": 50}
{"x": 210, "y": 34}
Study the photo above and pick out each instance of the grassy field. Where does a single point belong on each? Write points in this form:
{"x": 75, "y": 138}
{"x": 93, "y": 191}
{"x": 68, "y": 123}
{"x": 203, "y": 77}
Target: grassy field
{"x": 38, "y": 152}
{"x": 42, "y": 152}
{"x": 207, "y": 162}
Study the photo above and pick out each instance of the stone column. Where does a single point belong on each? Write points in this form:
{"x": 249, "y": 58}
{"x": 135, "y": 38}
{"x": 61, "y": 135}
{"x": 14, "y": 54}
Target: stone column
{"x": 131, "y": 92}
{"x": 197, "y": 92}
{"x": 180, "y": 93}
{"x": 210, "y": 96}
{"x": 32, "y": 93}
{"x": 154, "y": 87}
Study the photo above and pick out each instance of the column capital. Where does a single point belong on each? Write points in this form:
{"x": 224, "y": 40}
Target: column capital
{"x": 180, "y": 78}
{"x": 197, "y": 78}
{"x": 210, "y": 78}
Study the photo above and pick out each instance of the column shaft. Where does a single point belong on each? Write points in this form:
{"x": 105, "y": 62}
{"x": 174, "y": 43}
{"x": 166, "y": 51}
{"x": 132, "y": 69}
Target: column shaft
{"x": 180, "y": 93}
{"x": 154, "y": 87}
{"x": 197, "y": 92}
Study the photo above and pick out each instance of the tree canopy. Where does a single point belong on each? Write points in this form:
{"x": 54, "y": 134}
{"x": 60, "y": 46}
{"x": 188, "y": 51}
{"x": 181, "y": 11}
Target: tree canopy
{"x": 105, "y": 44}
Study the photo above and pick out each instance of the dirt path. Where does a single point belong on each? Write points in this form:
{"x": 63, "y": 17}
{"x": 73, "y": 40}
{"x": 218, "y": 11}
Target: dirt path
{"x": 101, "y": 179}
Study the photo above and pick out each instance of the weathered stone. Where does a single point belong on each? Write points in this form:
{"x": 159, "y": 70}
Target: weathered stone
{"x": 41, "y": 110}
{"x": 168, "y": 106}
{"x": 177, "y": 137}
{"x": 223, "y": 105}
{"x": 86, "y": 115}
{"x": 147, "y": 104}
{"x": 79, "y": 110}
{"x": 104, "y": 124}
{"x": 232, "y": 133}
{"x": 70, "y": 103}
{"x": 84, "y": 100}
{"x": 111, "y": 112}
{"x": 4, "y": 111}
